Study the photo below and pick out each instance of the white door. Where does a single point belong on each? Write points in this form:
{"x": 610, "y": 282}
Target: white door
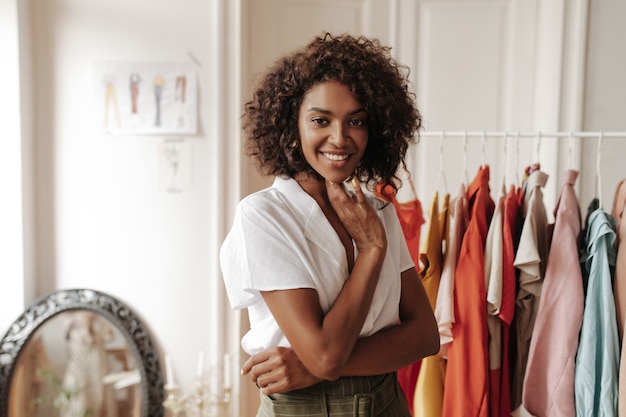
{"x": 493, "y": 65}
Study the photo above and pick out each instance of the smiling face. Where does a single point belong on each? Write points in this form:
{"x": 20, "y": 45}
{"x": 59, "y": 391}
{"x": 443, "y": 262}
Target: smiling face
{"x": 333, "y": 130}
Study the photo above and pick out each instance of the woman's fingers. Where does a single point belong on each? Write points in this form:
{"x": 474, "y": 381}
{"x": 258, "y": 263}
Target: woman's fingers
{"x": 358, "y": 217}
{"x": 358, "y": 192}
{"x": 337, "y": 192}
{"x": 277, "y": 370}
{"x": 255, "y": 365}
{"x": 264, "y": 368}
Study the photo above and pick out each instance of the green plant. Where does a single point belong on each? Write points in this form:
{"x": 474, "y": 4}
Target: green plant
{"x": 62, "y": 395}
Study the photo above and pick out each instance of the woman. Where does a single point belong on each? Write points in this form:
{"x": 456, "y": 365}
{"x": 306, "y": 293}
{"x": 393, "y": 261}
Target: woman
{"x": 334, "y": 300}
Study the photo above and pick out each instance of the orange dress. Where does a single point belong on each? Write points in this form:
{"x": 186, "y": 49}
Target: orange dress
{"x": 466, "y": 388}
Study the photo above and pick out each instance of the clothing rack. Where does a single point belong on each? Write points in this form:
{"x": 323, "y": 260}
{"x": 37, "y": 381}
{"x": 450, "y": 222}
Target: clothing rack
{"x": 521, "y": 134}
{"x": 547, "y": 151}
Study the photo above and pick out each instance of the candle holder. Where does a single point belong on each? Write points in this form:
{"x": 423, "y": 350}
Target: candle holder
{"x": 210, "y": 396}
{"x": 203, "y": 401}
{"x": 174, "y": 401}
{"x": 207, "y": 400}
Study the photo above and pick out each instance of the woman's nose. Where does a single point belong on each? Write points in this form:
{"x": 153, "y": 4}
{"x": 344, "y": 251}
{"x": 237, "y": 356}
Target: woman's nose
{"x": 339, "y": 134}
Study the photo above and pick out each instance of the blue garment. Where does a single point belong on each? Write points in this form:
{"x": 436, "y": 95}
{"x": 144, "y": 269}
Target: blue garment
{"x": 597, "y": 362}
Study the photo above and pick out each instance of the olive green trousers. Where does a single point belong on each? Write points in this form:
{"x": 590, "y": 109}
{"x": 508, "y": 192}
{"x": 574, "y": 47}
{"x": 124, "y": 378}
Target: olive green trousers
{"x": 371, "y": 396}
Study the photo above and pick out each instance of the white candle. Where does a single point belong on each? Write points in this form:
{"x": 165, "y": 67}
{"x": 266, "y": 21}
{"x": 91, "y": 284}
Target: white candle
{"x": 200, "y": 364}
{"x": 226, "y": 371}
{"x": 169, "y": 374}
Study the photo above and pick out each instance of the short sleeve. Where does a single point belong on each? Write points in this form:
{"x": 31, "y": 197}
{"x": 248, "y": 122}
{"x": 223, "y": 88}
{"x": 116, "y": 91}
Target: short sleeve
{"x": 260, "y": 253}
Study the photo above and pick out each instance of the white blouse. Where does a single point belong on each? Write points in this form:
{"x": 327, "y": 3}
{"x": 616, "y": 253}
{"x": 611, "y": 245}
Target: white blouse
{"x": 280, "y": 240}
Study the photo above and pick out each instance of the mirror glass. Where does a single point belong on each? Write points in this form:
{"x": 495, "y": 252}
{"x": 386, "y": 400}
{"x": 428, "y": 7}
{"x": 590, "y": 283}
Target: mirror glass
{"x": 79, "y": 353}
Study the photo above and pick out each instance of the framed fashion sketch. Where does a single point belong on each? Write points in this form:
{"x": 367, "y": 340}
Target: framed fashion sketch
{"x": 145, "y": 98}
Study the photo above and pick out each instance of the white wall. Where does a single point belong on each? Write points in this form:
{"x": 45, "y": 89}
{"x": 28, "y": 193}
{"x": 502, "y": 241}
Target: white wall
{"x": 101, "y": 220}
{"x": 16, "y": 231}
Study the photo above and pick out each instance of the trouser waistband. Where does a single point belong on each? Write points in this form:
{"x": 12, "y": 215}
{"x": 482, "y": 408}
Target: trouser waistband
{"x": 357, "y": 404}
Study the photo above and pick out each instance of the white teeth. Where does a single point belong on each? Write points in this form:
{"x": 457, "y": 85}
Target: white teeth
{"x": 335, "y": 157}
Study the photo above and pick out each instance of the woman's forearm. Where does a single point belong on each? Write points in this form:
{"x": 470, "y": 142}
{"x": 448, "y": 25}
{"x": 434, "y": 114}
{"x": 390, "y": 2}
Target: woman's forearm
{"x": 323, "y": 342}
{"x": 391, "y": 349}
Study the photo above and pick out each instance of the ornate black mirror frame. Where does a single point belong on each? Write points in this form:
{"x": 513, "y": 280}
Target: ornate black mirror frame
{"x": 120, "y": 315}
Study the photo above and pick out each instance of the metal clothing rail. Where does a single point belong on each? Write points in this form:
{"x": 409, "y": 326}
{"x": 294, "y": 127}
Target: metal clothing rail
{"x": 574, "y": 137}
{"x": 520, "y": 134}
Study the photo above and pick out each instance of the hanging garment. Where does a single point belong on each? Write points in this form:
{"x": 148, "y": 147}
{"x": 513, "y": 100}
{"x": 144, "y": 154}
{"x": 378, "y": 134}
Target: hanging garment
{"x": 466, "y": 383}
{"x": 493, "y": 283}
{"x": 530, "y": 259}
{"x": 510, "y": 238}
{"x": 548, "y": 389}
{"x": 593, "y": 206}
{"x": 444, "y": 307}
{"x": 619, "y": 204}
{"x": 428, "y": 396}
{"x": 619, "y": 207}
{"x": 410, "y": 214}
{"x": 411, "y": 219}
{"x": 595, "y": 378}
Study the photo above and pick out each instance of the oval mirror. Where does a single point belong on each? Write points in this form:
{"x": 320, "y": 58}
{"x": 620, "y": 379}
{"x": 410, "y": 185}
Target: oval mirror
{"x": 79, "y": 353}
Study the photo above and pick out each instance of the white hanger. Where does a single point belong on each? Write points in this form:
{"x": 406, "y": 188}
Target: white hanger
{"x": 569, "y": 150}
{"x": 517, "y": 181}
{"x": 539, "y": 134}
{"x": 465, "y": 175}
{"x": 442, "y": 174}
{"x": 598, "y": 169}
{"x": 482, "y": 150}
{"x": 504, "y": 160}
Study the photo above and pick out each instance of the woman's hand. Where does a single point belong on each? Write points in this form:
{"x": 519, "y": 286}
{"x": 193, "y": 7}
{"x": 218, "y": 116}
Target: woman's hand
{"x": 358, "y": 217}
{"x": 278, "y": 370}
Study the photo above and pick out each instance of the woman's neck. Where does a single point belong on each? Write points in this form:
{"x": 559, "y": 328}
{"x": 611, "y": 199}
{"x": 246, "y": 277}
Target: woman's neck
{"x": 313, "y": 186}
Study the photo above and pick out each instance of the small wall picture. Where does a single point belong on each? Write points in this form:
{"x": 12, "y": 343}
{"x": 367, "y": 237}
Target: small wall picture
{"x": 146, "y": 98}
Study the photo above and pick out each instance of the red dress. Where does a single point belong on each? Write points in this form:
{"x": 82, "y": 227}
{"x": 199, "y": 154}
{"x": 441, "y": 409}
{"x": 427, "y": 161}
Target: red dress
{"x": 411, "y": 219}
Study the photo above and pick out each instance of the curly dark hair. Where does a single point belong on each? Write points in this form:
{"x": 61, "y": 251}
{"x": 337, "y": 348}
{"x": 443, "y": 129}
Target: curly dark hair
{"x": 377, "y": 81}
